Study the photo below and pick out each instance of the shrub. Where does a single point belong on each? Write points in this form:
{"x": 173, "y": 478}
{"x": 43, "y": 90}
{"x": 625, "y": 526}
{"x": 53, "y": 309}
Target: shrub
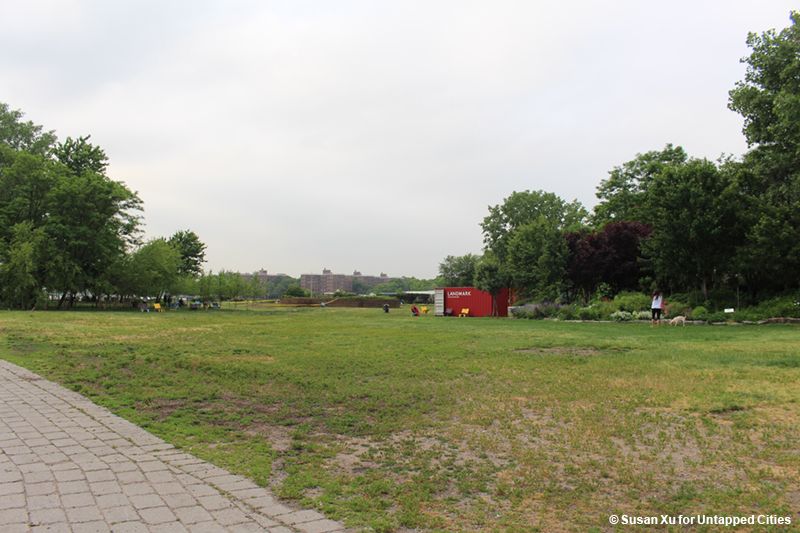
{"x": 536, "y": 311}
{"x": 545, "y": 310}
{"x": 643, "y": 315}
{"x": 632, "y": 301}
{"x": 604, "y": 309}
{"x": 700, "y": 313}
{"x": 676, "y": 309}
{"x": 568, "y": 312}
{"x": 785, "y": 306}
{"x": 519, "y": 312}
{"x": 719, "y": 316}
{"x": 603, "y": 291}
{"x": 621, "y": 316}
{"x": 588, "y": 313}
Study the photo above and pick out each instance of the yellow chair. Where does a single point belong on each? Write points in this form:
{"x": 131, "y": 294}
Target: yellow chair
{"x": 424, "y": 309}
{"x": 464, "y": 311}
{"x": 157, "y": 308}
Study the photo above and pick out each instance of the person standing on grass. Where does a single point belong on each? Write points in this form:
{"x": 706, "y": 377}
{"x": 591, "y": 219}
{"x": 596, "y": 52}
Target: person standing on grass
{"x": 656, "y": 307}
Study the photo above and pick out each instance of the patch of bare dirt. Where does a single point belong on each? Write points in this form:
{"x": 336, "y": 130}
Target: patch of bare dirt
{"x": 279, "y": 437}
{"x": 249, "y": 358}
{"x": 560, "y": 350}
{"x": 162, "y": 407}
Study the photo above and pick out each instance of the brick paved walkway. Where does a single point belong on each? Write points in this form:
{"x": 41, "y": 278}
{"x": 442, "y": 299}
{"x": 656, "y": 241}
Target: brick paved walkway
{"x": 68, "y": 465}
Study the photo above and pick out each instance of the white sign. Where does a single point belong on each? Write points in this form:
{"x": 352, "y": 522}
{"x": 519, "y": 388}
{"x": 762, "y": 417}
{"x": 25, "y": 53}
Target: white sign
{"x": 458, "y": 294}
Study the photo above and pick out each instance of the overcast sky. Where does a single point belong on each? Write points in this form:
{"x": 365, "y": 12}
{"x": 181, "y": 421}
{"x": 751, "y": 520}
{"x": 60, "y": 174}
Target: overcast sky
{"x": 370, "y": 135}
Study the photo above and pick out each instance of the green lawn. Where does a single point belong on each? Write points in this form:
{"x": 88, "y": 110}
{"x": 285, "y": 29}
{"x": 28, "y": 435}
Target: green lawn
{"x": 389, "y": 422}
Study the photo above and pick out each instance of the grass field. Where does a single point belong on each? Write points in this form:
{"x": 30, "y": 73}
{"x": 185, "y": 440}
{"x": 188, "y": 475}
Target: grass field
{"x": 390, "y": 423}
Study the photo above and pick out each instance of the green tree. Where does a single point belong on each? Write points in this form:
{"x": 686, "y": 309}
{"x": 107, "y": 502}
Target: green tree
{"x": 490, "y": 276}
{"x": 21, "y": 267}
{"x": 91, "y": 222}
{"x": 278, "y": 285}
{"x": 522, "y": 208}
{"x": 458, "y": 271}
{"x": 192, "y": 251}
{"x": 769, "y": 100}
{"x": 26, "y": 181}
{"x": 256, "y": 289}
{"x": 698, "y": 225}
{"x": 88, "y": 221}
{"x": 623, "y": 195}
{"x": 295, "y": 291}
{"x": 151, "y": 270}
{"x": 80, "y": 156}
{"x": 23, "y": 136}
{"x": 537, "y": 259}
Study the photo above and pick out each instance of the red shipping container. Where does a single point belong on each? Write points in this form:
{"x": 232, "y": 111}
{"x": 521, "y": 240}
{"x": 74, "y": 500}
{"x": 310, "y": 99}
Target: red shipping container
{"x": 451, "y": 300}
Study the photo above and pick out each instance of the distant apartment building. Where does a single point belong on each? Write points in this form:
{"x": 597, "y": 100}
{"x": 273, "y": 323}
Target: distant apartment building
{"x": 328, "y": 282}
{"x": 262, "y": 275}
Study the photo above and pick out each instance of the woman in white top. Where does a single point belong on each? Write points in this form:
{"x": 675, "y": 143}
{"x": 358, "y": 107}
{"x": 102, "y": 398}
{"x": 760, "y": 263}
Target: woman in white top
{"x": 656, "y": 307}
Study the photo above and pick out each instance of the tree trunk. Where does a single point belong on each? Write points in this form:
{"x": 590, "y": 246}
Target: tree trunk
{"x": 61, "y": 300}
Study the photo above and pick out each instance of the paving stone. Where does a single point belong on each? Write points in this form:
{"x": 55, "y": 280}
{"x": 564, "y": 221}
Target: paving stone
{"x": 170, "y": 527}
{"x": 319, "y": 526}
{"x": 274, "y": 509}
{"x": 16, "y": 487}
{"x": 215, "y": 502}
{"x": 105, "y": 487}
{"x": 298, "y": 517}
{"x": 38, "y": 489}
{"x": 207, "y": 527}
{"x": 133, "y": 489}
{"x": 127, "y": 466}
{"x": 249, "y": 527}
{"x": 69, "y": 475}
{"x": 22, "y": 527}
{"x": 168, "y": 488}
{"x": 160, "y": 476}
{"x": 39, "y": 502}
{"x": 143, "y": 501}
{"x": 131, "y": 527}
{"x": 12, "y": 516}
{"x": 229, "y": 517}
{"x": 100, "y": 475}
{"x": 98, "y": 526}
{"x": 202, "y": 490}
{"x": 123, "y": 513}
{"x": 47, "y": 516}
{"x": 108, "y": 501}
{"x": 181, "y": 499}
{"x": 62, "y": 527}
{"x": 130, "y": 477}
{"x": 79, "y": 499}
{"x": 10, "y": 501}
{"x": 77, "y": 515}
{"x": 193, "y": 515}
{"x": 157, "y": 515}
{"x": 72, "y": 487}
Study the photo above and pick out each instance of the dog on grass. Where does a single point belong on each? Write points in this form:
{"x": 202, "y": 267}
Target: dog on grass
{"x": 680, "y": 319}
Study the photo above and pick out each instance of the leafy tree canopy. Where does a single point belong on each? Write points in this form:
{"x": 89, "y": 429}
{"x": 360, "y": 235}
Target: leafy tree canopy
{"x": 623, "y": 194}
{"x": 523, "y": 208}
{"x": 459, "y": 271}
{"x": 192, "y": 251}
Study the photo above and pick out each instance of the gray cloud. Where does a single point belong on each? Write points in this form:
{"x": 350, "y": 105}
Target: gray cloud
{"x": 297, "y": 135}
